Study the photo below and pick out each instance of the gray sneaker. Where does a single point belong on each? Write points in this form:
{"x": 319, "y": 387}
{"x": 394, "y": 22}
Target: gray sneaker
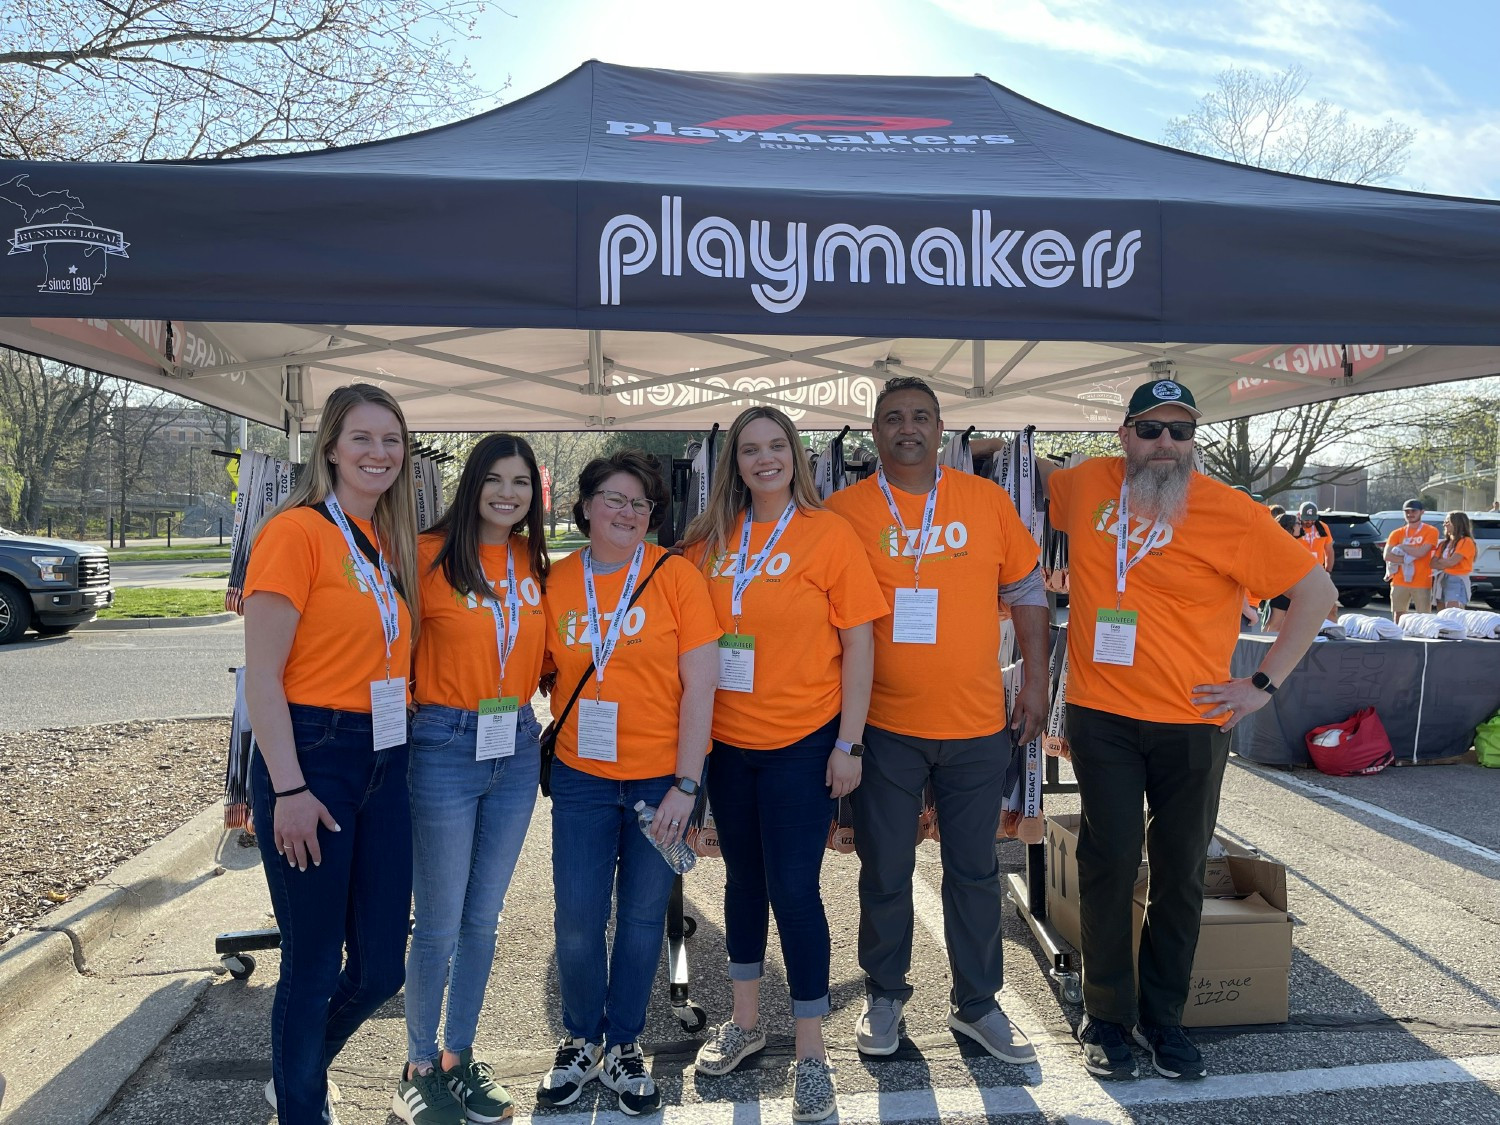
{"x": 995, "y": 1032}
{"x": 813, "y": 1096}
{"x": 729, "y": 1046}
{"x": 878, "y": 1031}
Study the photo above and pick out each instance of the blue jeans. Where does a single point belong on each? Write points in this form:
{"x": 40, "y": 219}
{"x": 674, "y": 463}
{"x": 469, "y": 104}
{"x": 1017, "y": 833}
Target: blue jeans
{"x": 773, "y": 809}
{"x": 598, "y": 851}
{"x": 343, "y": 923}
{"x": 468, "y": 822}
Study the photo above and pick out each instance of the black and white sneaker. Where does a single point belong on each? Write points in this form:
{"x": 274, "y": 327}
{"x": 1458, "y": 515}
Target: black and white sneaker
{"x": 625, "y": 1073}
{"x": 1172, "y": 1052}
{"x": 1106, "y": 1051}
{"x": 576, "y": 1065}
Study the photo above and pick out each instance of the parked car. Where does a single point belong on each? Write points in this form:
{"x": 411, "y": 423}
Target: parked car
{"x": 50, "y": 585}
{"x": 1486, "y": 577}
{"x": 1358, "y": 558}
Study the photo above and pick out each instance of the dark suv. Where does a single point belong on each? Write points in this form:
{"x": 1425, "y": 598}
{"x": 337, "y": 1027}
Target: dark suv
{"x": 51, "y": 585}
{"x": 1358, "y": 558}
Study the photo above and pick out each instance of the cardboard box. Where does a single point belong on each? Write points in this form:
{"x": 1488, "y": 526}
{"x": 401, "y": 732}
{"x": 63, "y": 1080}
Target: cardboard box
{"x": 1244, "y": 955}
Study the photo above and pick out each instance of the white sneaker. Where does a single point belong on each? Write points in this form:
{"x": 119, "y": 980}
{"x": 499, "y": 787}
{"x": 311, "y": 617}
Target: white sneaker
{"x": 625, "y": 1073}
{"x": 576, "y": 1065}
{"x": 333, "y": 1095}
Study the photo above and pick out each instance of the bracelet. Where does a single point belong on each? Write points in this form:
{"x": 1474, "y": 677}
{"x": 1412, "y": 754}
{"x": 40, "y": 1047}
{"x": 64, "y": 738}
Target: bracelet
{"x": 291, "y": 792}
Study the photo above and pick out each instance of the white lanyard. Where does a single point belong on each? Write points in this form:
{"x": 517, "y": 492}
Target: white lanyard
{"x": 745, "y": 570}
{"x": 383, "y": 591}
{"x": 1123, "y": 560}
{"x": 928, "y": 511}
{"x": 505, "y": 635}
{"x": 604, "y": 647}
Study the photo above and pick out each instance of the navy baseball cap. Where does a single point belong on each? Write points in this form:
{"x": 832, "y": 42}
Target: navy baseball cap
{"x": 1414, "y": 504}
{"x": 1161, "y": 392}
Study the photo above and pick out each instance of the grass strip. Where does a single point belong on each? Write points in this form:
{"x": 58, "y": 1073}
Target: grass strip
{"x": 156, "y": 601}
{"x": 194, "y": 554}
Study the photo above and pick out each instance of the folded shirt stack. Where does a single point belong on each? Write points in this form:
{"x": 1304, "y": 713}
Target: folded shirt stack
{"x": 1358, "y": 627}
{"x": 1478, "y": 623}
{"x": 1430, "y": 626}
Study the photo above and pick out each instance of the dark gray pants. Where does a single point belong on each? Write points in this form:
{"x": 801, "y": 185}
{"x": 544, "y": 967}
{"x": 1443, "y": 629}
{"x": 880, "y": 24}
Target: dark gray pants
{"x": 967, "y": 777}
{"x": 1176, "y": 769}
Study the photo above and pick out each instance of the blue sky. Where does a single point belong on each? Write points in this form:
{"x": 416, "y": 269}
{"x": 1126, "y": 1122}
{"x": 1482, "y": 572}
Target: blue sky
{"x": 1129, "y": 66}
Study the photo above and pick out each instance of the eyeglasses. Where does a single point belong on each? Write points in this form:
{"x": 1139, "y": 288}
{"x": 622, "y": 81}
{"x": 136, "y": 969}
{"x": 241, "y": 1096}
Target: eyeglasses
{"x": 1151, "y": 429}
{"x": 618, "y": 501}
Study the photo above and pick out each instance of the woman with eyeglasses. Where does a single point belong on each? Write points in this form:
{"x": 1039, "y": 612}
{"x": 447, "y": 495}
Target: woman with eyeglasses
{"x": 632, "y": 627}
{"x": 1453, "y": 562}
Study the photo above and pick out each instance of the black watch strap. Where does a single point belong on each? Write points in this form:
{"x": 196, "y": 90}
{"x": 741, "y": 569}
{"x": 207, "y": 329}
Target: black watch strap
{"x": 1263, "y": 681}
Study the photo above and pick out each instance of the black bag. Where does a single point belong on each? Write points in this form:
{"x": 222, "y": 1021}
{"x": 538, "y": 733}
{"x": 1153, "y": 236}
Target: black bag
{"x": 549, "y": 736}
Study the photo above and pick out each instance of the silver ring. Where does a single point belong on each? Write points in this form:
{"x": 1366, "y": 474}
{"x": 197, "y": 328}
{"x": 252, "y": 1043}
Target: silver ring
{"x": 290, "y": 848}
{"x": 674, "y": 823}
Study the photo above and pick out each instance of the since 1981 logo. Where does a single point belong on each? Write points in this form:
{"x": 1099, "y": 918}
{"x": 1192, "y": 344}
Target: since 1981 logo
{"x": 74, "y": 253}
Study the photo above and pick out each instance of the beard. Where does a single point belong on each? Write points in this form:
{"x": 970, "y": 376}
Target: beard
{"x": 1159, "y": 489}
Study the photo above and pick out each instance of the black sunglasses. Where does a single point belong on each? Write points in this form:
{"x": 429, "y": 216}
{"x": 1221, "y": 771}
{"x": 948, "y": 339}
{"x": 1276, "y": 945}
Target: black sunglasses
{"x": 1150, "y": 429}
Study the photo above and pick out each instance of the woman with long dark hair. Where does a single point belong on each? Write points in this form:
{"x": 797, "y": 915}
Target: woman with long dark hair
{"x": 1453, "y": 562}
{"x": 474, "y": 763}
{"x": 330, "y": 607}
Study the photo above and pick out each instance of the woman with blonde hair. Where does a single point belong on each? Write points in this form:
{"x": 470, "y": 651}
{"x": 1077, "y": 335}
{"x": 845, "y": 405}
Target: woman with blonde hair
{"x": 330, "y": 608}
{"x": 795, "y": 596}
{"x": 1453, "y": 562}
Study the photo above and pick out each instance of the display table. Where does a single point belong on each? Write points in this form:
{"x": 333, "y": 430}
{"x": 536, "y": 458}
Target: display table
{"x": 1430, "y": 695}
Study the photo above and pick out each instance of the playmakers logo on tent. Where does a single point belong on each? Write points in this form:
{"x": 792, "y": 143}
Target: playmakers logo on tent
{"x": 822, "y": 133}
{"x": 991, "y": 255}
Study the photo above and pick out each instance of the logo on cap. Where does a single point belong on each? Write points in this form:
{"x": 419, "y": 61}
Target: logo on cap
{"x": 1167, "y": 390}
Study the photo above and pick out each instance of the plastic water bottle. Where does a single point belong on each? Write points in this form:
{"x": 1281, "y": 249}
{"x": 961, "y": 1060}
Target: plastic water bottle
{"x": 680, "y": 858}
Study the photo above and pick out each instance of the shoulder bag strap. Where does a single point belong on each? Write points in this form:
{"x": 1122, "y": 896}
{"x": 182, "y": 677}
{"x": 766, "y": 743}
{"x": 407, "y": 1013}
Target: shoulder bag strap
{"x": 362, "y": 541}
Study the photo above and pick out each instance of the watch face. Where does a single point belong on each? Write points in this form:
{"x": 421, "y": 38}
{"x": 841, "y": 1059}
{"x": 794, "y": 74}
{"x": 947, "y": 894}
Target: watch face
{"x": 857, "y": 750}
{"x": 687, "y": 785}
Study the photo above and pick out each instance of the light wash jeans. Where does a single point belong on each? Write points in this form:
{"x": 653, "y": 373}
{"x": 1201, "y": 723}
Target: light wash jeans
{"x": 601, "y": 858}
{"x": 468, "y": 822}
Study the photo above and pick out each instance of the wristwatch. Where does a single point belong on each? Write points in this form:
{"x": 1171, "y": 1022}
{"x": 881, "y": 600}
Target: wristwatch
{"x": 1263, "y": 681}
{"x": 688, "y": 786}
{"x": 853, "y": 749}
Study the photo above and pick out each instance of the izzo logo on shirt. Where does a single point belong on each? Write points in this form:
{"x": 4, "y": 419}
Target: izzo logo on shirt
{"x": 1106, "y": 524}
{"x": 531, "y": 594}
{"x": 573, "y": 626}
{"x": 353, "y": 577}
{"x": 726, "y": 565}
{"x": 941, "y": 538}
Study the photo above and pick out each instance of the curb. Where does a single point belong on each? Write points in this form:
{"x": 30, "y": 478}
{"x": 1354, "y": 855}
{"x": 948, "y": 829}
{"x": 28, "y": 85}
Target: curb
{"x": 58, "y": 946}
{"x": 156, "y": 622}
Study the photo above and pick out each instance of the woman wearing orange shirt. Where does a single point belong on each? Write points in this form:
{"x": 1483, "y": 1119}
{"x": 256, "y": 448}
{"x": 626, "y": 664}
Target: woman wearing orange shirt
{"x": 329, "y": 602}
{"x": 637, "y": 732}
{"x": 795, "y": 596}
{"x": 474, "y": 761}
{"x": 1453, "y": 562}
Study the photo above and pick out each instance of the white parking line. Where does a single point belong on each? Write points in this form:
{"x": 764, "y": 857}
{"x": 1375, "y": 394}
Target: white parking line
{"x": 1463, "y": 845}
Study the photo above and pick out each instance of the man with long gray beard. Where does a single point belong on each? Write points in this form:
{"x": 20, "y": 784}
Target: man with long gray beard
{"x": 1159, "y": 559}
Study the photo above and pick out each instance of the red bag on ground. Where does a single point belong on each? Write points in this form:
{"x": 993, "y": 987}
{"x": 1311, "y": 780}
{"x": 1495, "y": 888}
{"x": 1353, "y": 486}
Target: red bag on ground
{"x": 1358, "y": 745}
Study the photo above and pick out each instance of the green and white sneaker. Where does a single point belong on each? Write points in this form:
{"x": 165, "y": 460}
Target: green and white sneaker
{"x": 473, "y": 1086}
{"x": 424, "y": 1099}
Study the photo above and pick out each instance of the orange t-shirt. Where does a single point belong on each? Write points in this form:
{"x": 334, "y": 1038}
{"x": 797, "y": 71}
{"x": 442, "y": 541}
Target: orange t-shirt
{"x": 457, "y": 664}
{"x": 951, "y": 689}
{"x": 1188, "y": 592}
{"x": 672, "y": 616}
{"x": 817, "y": 582}
{"x": 1318, "y": 540}
{"x": 1421, "y": 574}
{"x": 1463, "y": 550}
{"x": 339, "y": 646}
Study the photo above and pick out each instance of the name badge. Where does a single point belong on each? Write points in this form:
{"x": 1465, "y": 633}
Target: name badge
{"x": 736, "y": 662}
{"x": 915, "y": 619}
{"x": 597, "y": 722}
{"x": 496, "y": 736}
{"x": 1114, "y": 636}
{"x": 388, "y": 712}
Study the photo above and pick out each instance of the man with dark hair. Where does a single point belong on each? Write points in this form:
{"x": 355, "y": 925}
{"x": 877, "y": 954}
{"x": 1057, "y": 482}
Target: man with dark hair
{"x": 943, "y": 544}
{"x": 1408, "y": 552}
{"x": 1159, "y": 557}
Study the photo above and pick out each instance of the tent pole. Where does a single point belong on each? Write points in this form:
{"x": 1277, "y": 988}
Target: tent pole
{"x": 976, "y": 355}
{"x": 294, "y": 411}
{"x": 596, "y": 362}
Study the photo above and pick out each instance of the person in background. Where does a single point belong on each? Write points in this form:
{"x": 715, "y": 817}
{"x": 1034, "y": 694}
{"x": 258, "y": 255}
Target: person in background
{"x": 1453, "y": 562}
{"x": 795, "y": 597}
{"x": 1315, "y": 535}
{"x": 947, "y": 547}
{"x": 1159, "y": 557}
{"x": 1408, "y": 552}
{"x": 474, "y": 763}
{"x": 638, "y": 732}
{"x": 1277, "y": 606}
{"x": 331, "y": 599}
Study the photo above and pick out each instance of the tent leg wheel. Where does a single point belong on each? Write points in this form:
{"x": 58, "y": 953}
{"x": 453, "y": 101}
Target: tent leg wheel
{"x": 689, "y": 925}
{"x": 1070, "y": 986}
{"x": 238, "y": 965}
{"x": 693, "y": 1018}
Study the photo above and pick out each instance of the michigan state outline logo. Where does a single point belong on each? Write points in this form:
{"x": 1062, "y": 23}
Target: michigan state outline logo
{"x": 73, "y": 252}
